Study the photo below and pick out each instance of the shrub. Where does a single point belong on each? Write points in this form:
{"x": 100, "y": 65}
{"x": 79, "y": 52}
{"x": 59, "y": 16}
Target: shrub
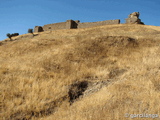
{"x": 9, "y": 35}
{"x": 30, "y": 31}
{"x": 15, "y": 34}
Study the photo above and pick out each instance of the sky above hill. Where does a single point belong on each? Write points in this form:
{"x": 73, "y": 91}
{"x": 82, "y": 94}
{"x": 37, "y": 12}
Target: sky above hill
{"x": 17, "y": 16}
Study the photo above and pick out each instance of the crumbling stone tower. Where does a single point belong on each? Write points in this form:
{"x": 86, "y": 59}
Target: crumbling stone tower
{"x": 38, "y": 29}
{"x": 133, "y": 18}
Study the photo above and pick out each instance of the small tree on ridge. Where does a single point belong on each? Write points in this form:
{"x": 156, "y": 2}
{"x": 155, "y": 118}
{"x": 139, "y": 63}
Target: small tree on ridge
{"x": 30, "y": 31}
{"x": 9, "y": 36}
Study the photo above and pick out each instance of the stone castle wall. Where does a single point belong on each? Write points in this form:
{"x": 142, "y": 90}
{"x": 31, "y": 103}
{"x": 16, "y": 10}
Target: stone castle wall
{"x": 71, "y": 24}
{"x": 38, "y": 29}
{"x": 133, "y": 18}
{"x": 56, "y": 26}
{"x": 100, "y": 23}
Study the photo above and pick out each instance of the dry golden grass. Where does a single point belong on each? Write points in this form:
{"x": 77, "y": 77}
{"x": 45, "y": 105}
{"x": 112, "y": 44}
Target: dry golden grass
{"x": 36, "y": 73}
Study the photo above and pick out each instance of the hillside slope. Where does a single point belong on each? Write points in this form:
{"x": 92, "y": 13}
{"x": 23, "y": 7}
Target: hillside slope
{"x": 98, "y": 73}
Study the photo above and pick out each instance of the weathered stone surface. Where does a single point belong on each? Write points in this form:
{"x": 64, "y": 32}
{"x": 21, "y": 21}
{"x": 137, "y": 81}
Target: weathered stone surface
{"x": 134, "y": 15}
{"x": 56, "y": 26}
{"x": 71, "y": 24}
{"x": 133, "y": 18}
{"x": 100, "y": 23}
{"x": 38, "y": 29}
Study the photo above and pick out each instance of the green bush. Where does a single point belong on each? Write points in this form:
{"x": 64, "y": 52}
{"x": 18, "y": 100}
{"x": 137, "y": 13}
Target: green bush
{"x": 30, "y": 31}
{"x": 15, "y": 34}
{"x": 9, "y": 35}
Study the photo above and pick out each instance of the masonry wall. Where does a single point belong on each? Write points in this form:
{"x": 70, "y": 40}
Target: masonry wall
{"x": 55, "y": 26}
{"x": 93, "y": 24}
{"x": 71, "y": 24}
{"x": 133, "y": 21}
{"x": 38, "y": 29}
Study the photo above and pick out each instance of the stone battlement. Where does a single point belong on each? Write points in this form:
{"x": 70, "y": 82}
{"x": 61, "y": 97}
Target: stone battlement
{"x": 71, "y": 24}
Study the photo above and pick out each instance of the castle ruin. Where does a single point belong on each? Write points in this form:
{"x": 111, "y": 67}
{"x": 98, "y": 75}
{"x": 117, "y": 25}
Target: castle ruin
{"x": 71, "y": 24}
{"x": 133, "y": 18}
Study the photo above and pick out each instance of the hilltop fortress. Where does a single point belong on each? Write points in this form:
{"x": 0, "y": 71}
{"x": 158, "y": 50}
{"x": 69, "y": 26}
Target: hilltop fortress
{"x": 133, "y": 18}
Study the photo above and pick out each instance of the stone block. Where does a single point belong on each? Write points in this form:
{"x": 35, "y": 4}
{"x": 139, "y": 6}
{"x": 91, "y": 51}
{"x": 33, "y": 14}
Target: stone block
{"x": 38, "y": 29}
{"x": 133, "y": 18}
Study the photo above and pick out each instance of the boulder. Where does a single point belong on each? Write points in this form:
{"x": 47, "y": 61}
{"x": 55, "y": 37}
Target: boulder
{"x": 133, "y": 18}
{"x": 134, "y": 15}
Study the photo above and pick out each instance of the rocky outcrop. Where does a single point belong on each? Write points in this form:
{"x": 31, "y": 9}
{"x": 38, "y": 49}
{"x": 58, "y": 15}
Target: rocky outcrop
{"x": 133, "y": 18}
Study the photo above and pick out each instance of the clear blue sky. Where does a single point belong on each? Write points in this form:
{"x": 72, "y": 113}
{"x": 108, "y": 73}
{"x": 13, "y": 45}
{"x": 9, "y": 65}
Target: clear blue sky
{"x": 17, "y": 16}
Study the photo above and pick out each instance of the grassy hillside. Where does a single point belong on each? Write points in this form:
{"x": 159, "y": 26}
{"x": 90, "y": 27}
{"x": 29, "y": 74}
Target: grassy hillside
{"x": 98, "y": 73}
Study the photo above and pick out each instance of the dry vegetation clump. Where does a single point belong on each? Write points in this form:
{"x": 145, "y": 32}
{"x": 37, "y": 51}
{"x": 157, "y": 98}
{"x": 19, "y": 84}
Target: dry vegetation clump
{"x": 98, "y": 73}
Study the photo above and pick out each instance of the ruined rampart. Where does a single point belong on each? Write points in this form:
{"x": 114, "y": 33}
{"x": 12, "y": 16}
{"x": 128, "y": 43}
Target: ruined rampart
{"x": 38, "y": 29}
{"x": 100, "y": 23}
{"x": 56, "y": 26}
{"x": 71, "y": 24}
